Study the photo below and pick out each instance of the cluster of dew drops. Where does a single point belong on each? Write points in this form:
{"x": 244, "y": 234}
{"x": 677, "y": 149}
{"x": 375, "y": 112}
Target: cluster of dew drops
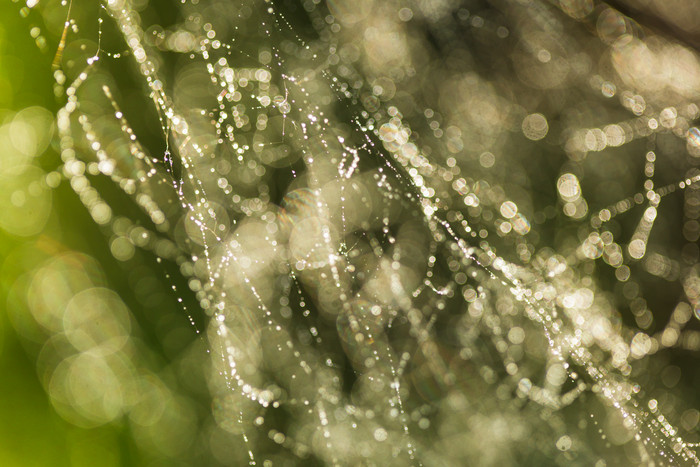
{"x": 477, "y": 273}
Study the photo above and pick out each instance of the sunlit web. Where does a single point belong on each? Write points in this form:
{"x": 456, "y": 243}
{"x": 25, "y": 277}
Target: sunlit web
{"x": 413, "y": 232}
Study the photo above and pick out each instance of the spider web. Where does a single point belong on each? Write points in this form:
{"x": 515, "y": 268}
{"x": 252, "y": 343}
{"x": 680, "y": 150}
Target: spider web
{"x": 430, "y": 232}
